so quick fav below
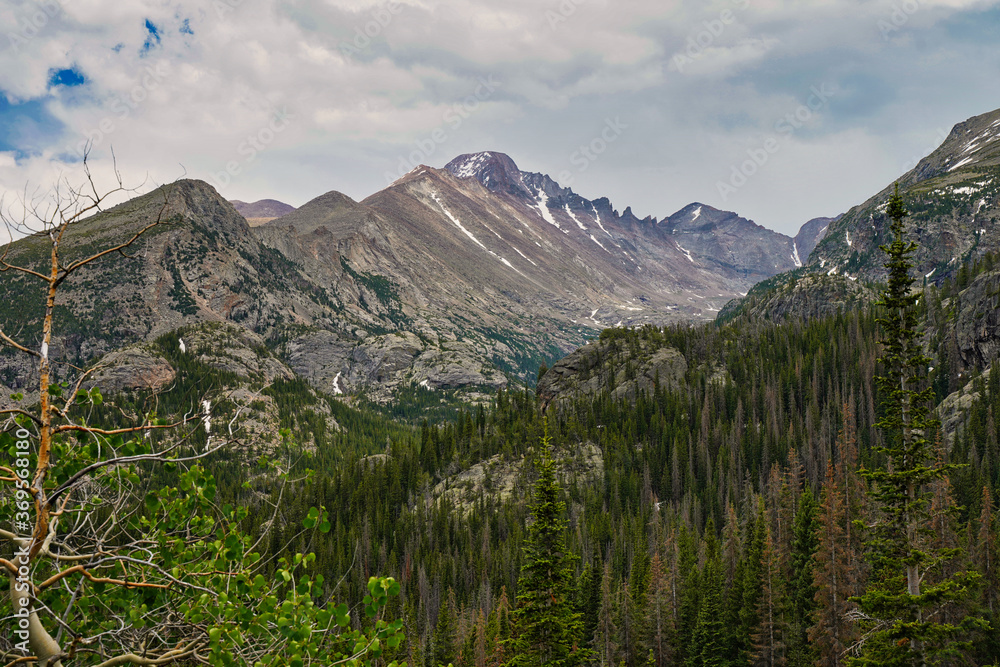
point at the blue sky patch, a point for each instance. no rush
(27, 127)
(152, 37)
(66, 77)
(186, 27)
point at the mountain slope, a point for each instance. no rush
(953, 199)
(953, 196)
(464, 277)
(263, 209)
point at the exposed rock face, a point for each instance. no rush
(977, 325)
(499, 479)
(469, 276)
(811, 234)
(588, 370)
(953, 196)
(800, 296)
(954, 410)
(132, 367)
(729, 244)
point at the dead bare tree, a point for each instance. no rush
(99, 574)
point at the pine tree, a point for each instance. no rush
(547, 627)
(709, 645)
(831, 632)
(899, 604)
(769, 635)
(805, 543)
(445, 632)
(605, 636)
(660, 619)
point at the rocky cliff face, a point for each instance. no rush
(953, 196)
(977, 321)
(596, 366)
(953, 200)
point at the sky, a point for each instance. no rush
(780, 110)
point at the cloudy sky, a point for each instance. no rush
(781, 110)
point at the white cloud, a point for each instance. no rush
(362, 83)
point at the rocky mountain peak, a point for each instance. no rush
(262, 208)
(972, 143)
(496, 171)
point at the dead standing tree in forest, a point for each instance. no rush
(101, 575)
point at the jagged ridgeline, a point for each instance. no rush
(469, 277)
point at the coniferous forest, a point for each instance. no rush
(801, 494)
(766, 510)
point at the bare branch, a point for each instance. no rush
(124, 460)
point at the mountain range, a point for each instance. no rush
(473, 275)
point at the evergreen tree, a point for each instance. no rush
(709, 644)
(832, 631)
(899, 605)
(445, 632)
(547, 627)
(769, 636)
(805, 543)
(606, 634)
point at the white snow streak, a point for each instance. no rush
(687, 253)
(543, 210)
(336, 385)
(697, 212)
(578, 223)
(847, 237)
(961, 163)
(525, 256)
(600, 244)
(458, 224)
(795, 254)
(597, 219)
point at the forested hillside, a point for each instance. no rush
(722, 529)
(726, 491)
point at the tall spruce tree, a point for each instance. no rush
(898, 609)
(547, 627)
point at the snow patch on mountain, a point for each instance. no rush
(687, 253)
(543, 210)
(578, 223)
(471, 166)
(458, 224)
(524, 256)
(597, 219)
(600, 244)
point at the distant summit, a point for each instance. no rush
(261, 211)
